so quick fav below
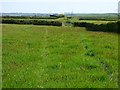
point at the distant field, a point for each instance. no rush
(92, 21)
(50, 56)
(96, 22)
(88, 21)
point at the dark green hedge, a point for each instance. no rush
(30, 17)
(109, 27)
(34, 22)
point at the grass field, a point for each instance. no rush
(47, 56)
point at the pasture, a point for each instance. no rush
(58, 57)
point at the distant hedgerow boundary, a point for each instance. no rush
(109, 27)
(34, 22)
(28, 17)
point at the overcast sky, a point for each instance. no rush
(59, 6)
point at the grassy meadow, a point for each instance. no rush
(58, 57)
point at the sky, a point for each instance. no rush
(59, 6)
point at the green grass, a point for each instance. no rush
(58, 57)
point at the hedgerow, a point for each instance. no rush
(34, 22)
(109, 27)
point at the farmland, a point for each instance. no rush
(92, 18)
(60, 57)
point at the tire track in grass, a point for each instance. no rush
(45, 51)
(110, 73)
(44, 60)
(88, 45)
(89, 48)
(107, 68)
